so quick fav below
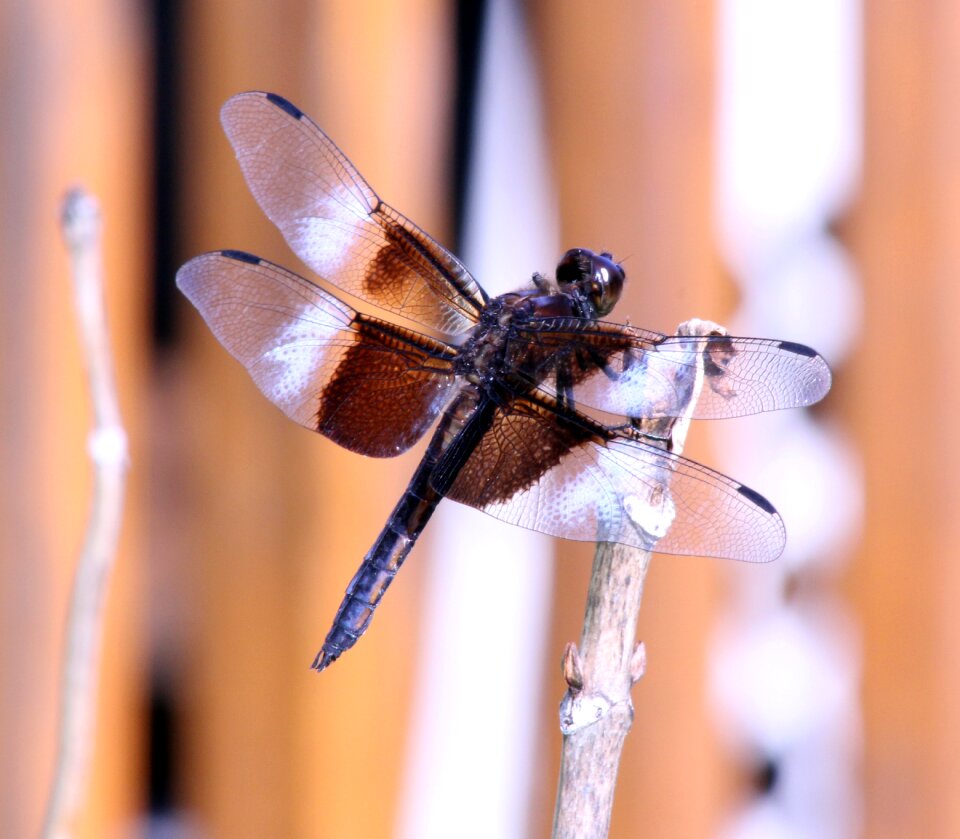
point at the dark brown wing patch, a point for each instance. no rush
(385, 391)
(581, 480)
(369, 385)
(338, 225)
(524, 441)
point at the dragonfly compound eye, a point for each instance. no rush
(607, 286)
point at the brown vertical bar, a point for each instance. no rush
(629, 91)
(227, 486)
(384, 78)
(904, 408)
(279, 519)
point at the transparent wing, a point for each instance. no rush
(368, 385)
(633, 372)
(337, 224)
(582, 481)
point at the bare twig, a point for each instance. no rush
(108, 451)
(596, 713)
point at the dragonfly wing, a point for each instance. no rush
(369, 385)
(567, 476)
(338, 225)
(634, 372)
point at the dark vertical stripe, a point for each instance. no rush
(167, 102)
(162, 780)
(163, 751)
(470, 25)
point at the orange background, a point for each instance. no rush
(241, 530)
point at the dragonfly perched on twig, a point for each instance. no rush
(509, 379)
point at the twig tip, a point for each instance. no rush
(572, 667)
(80, 217)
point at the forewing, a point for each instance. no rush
(368, 385)
(633, 372)
(337, 224)
(581, 481)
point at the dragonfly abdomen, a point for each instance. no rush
(457, 435)
(379, 567)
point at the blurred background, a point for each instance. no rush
(790, 169)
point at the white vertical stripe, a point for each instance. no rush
(785, 671)
(469, 766)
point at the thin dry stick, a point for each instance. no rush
(108, 450)
(596, 713)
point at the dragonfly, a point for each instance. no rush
(544, 413)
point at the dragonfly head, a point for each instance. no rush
(594, 280)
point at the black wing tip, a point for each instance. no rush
(761, 503)
(757, 499)
(284, 105)
(240, 256)
(821, 378)
(798, 349)
(276, 99)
